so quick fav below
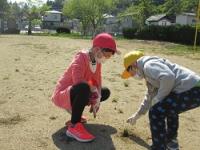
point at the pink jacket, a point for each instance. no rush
(78, 71)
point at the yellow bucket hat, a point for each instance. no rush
(130, 58)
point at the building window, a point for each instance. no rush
(193, 20)
(55, 16)
(164, 23)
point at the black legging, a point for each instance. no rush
(79, 95)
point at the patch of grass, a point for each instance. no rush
(2, 102)
(12, 120)
(125, 133)
(115, 100)
(24, 44)
(40, 46)
(71, 35)
(6, 78)
(126, 84)
(120, 111)
(17, 59)
(53, 118)
(74, 35)
(181, 49)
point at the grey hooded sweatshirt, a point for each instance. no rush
(163, 77)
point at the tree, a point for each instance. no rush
(3, 8)
(4, 5)
(189, 5)
(56, 5)
(122, 5)
(3, 12)
(44, 8)
(158, 2)
(15, 11)
(98, 9)
(59, 4)
(90, 12)
(171, 7)
(141, 10)
(33, 13)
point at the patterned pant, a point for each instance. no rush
(164, 117)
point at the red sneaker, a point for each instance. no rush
(83, 120)
(79, 133)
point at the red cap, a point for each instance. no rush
(104, 40)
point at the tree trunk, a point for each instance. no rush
(29, 28)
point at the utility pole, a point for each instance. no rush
(197, 26)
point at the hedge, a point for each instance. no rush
(176, 33)
(63, 30)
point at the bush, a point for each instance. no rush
(129, 33)
(176, 33)
(62, 30)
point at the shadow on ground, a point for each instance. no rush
(139, 141)
(103, 139)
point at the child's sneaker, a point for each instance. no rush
(83, 120)
(79, 133)
(173, 144)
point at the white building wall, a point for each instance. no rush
(181, 19)
(191, 20)
(153, 23)
(185, 19)
(164, 22)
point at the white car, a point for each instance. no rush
(35, 28)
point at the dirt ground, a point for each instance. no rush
(29, 69)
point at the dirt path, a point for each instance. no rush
(29, 69)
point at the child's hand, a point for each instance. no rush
(94, 96)
(132, 120)
(95, 107)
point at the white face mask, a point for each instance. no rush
(99, 57)
(101, 60)
(138, 76)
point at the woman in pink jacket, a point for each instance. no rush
(80, 85)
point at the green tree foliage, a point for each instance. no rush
(90, 12)
(44, 8)
(59, 3)
(56, 4)
(3, 8)
(33, 12)
(141, 10)
(14, 11)
(30, 12)
(177, 6)
(189, 5)
(171, 7)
